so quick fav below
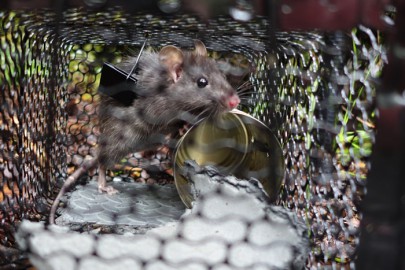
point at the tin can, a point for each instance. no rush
(236, 144)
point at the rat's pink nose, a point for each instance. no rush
(233, 101)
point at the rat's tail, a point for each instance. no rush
(86, 165)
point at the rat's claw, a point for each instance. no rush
(107, 189)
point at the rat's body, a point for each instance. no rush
(174, 87)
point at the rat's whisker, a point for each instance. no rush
(245, 83)
(189, 117)
(198, 116)
(249, 97)
(247, 94)
(244, 86)
(213, 112)
(247, 90)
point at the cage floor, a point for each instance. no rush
(230, 226)
(136, 204)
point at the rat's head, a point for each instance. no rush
(197, 81)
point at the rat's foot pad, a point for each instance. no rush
(135, 205)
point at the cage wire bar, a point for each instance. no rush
(382, 232)
(315, 91)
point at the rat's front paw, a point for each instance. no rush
(107, 189)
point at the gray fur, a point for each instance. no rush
(161, 106)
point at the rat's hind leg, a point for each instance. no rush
(102, 182)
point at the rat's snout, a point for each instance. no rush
(231, 101)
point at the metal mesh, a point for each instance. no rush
(314, 90)
(325, 115)
(32, 119)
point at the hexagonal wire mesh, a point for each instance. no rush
(314, 90)
(32, 119)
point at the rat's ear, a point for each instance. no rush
(172, 58)
(200, 48)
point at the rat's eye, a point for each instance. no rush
(202, 82)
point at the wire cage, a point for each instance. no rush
(316, 92)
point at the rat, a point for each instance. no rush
(175, 86)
